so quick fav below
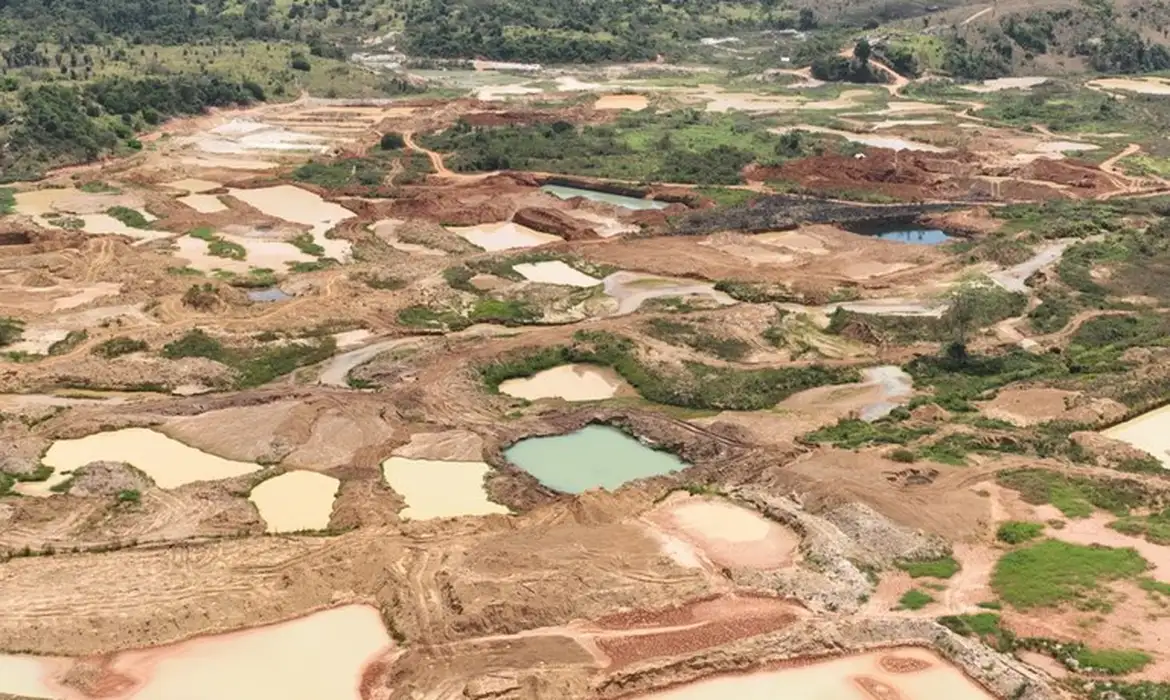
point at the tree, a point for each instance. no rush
(862, 51)
(391, 141)
(807, 20)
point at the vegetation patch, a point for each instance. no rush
(10, 330)
(304, 242)
(7, 200)
(944, 567)
(1074, 496)
(852, 433)
(1017, 532)
(116, 347)
(692, 336)
(226, 249)
(914, 599)
(130, 217)
(1052, 572)
(254, 366)
(1154, 527)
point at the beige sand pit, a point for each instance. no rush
(503, 235)
(633, 102)
(863, 677)
(792, 240)
(295, 501)
(568, 382)
(193, 185)
(301, 207)
(1144, 86)
(555, 272)
(319, 656)
(1149, 432)
(203, 203)
(434, 489)
(729, 535)
(168, 462)
(999, 84)
(271, 254)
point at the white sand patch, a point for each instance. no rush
(632, 289)
(168, 462)
(214, 162)
(998, 84)
(747, 102)
(193, 185)
(1062, 146)
(837, 679)
(30, 676)
(723, 520)
(792, 240)
(295, 501)
(302, 207)
(496, 93)
(910, 107)
(37, 340)
(203, 203)
(503, 235)
(568, 382)
(555, 272)
(891, 123)
(632, 102)
(678, 550)
(350, 339)
(435, 489)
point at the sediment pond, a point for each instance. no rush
(568, 382)
(296, 500)
(1148, 432)
(916, 236)
(619, 200)
(597, 456)
(439, 489)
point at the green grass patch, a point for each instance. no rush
(226, 249)
(984, 626)
(130, 217)
(1154, 527)
(203, 233)
(128, 496)
(1017, 532)
(1113, 662)
(342, 173)
(1075, 497)
(304, 242)
(852, 433)
(915, 599)
(944, 567)
(1051, 572)
(7, 200)
(99, 187)
(692, 336)
(254, 366)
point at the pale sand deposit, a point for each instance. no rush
(728, 534)
(555, 272)
(168, 462)
(435, 489)
(502, 235)
(1144, 86)
(203, 203)
(193, 185)
(860, 677)
(568, 382)
(634, 102)
(297, 500)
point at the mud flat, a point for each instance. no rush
(632, 289)
(618, 200)
(728, 534)
(503, 235)
(297, 500)
(596, 456)
(193, 185)
(555, 272)
(1149, 432)
(301, 207)
(568, 382)
(903, 674)
(437, 489)
(168, 462)
(319, 656)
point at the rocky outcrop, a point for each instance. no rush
(555, 222)
(107, 479)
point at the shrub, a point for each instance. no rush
(10, 330)
(130, 217)
(195, 343)
(903, 455)
(1052, 572)
(116, 347)
(201, 296)
(944, 567)
(1016, 532)
(129, 496)
(391, 141)
(915, 599)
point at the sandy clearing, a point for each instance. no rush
(568, 382)
(192, 185)
(496, 93)
(212, 162)
(434, 489)
(203, 203)
(1062, 146)
(87, 294)
(1032, 405)
(350, 339)
(503, 235)
(295, 501)
(998, 84)
(861, 677)
(445, 446)
(337, 369)
(322, 655)
(302, 207)
(632, 102)
(1012, 278)
(1147, 432)
(792, 240)
(274, 255)
(555, 272)
(168, 462)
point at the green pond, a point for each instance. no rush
(596, 456)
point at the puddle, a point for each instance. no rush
(1144, 86)
(203, 203)
(728, 534)
(596, 456)
(908, 673)
(633, 102)
(268, 295)
(914, 236)
(503, 235)
(322, 655)
(295, 501)
(999, 84)
(891, 142)
(568, 382)
(1149, 432)
(555, 272)
(168, 462)
(42, 489)
(895, 383)
(632, 289)
(565, 192)
(302, 207)
(436, 489)
(271, 254)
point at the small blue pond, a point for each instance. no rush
(268, 294)
(916, 236)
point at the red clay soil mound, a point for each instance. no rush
(899, 174)
(558, 223)
(1074, 173)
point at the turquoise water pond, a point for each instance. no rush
(596, 456)
(615, 199)
(918, 236)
